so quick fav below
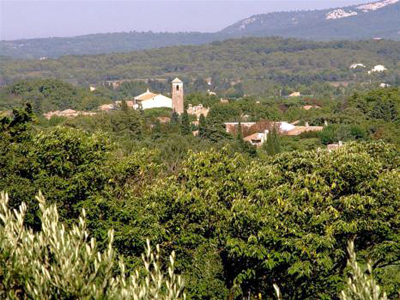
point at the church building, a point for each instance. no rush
(151, 100)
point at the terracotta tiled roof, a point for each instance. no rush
(300, 129)
(254, 137)
(106, 107)
(145, 96)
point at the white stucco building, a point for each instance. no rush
(379, 68)
(355, 66)
(150, 100)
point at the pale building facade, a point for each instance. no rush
(68, 113)
(177, 96)
(198, 110)
(295, 94)
(149, 100)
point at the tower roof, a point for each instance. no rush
(177, 80)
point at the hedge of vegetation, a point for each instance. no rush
(238, 224)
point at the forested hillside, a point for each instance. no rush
(245, 66)
(102, 43)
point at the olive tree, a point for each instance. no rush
(57, 262)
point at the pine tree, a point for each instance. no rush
(202, 126)
(185, 126)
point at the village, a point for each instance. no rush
(255, 133)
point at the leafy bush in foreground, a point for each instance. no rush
(56, 263)
(360, 286)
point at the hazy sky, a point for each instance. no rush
(29, 19)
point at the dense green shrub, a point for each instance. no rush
(284, 220)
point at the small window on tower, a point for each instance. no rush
(177, 87)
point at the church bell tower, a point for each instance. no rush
(177, 96)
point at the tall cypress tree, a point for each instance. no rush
(185, 126)
(174, 118)
(202, 126)
(273, 145)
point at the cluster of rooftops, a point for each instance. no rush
(253, 132)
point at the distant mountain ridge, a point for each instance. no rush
(101, 43)
(379, 19)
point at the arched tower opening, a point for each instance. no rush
(177, 96)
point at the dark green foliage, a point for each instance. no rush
(272, 146)
(221, 113)
(286, 220)
(153, 113)
(385, 110)
(124, 106)
(185, 125)
(379, 104)
(202, 126)
(50, 94)
(157, 130)
(14, 127)
(335, 133)
(299, 143)
(68, 165)
(174, 118)
(120, 123)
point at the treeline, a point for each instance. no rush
(252, 65)
(238, 224)
(49, 94)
